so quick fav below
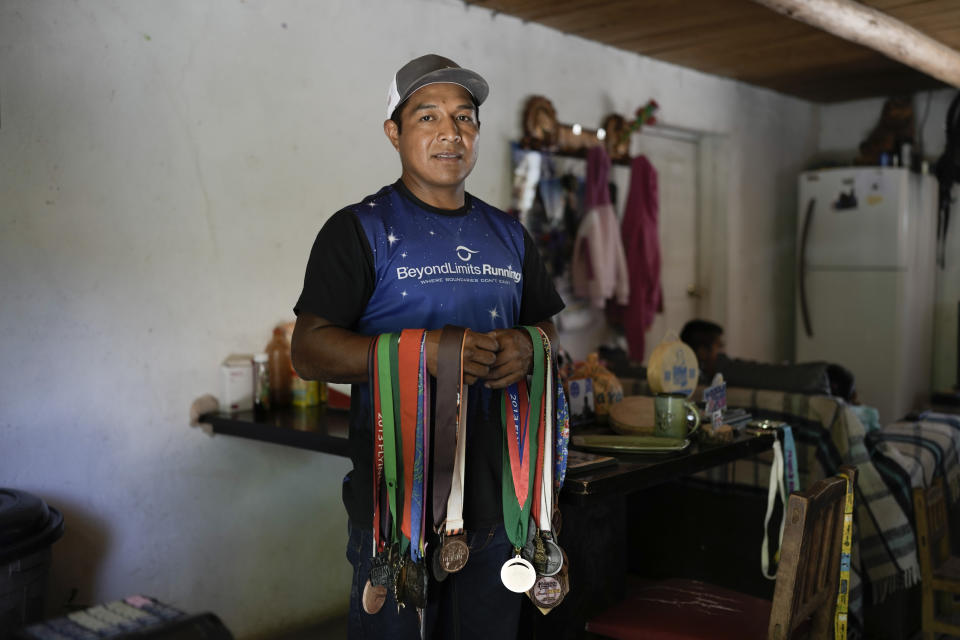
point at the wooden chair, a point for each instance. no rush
(804, 599)
(939, 569)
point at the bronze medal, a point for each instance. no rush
(564, 574)
(414, 590)
(373, 597)
(454, 553)
(439, 573)
(547, 592)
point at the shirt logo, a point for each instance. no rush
(460, 272)
(465, 253)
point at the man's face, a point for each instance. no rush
(439, 140)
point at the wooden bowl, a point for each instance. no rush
(633, 416)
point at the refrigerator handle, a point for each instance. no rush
(804, 307)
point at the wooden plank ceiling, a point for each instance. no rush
(742, 40)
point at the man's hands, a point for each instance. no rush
(325, 351)
(514, 358)
(479, 353)
(501, 357)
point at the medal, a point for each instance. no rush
(553, 561)
(517, 574)
(439, 573)
(547, 592)
(521, 416)
(548, 549)
(380, 572)
(451, 418)
(543, 553)
(373, 597)
(412, 585)
(454, 552)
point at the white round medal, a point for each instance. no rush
(518, 575)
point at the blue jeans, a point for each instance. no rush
(471, 603)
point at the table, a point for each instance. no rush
(594, 531)
(593, 504)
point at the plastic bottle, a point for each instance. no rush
(279, 368)
(261, 383)
(306, 393)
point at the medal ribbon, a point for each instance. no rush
(790, 460)
(545, 459)
(385, 345)
(421, 462)
(563, 432)
(408, 384)
(379, 524)
(402, 488)
(446, 420)
(454, 523)
(776, 488)
(516, 509)
(846, 545)
(518, 424)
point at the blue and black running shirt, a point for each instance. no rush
(393, 262)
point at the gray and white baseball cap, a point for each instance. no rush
(431, 69)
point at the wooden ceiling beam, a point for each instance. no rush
(871, 28)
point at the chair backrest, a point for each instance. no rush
(808, 576)
(933, 539)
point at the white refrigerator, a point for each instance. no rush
(866, 280)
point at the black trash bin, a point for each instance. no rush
(28, 528)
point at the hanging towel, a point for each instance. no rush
(599, 266)
(642, 247)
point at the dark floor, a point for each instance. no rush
(335, 629)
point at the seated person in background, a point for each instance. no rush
(841, 383)
(706, 340)
(842, 386)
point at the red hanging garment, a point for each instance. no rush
(642, 247)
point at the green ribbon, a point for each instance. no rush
(392, 466)
(516, 518)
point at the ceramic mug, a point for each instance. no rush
(672, 415)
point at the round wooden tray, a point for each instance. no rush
(634, 416)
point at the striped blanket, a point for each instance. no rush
(828, 434)
(929, 446)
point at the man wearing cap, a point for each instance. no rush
(424, 253)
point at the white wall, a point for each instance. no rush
(164, 167)
(843, 126)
